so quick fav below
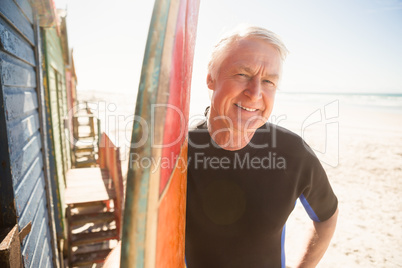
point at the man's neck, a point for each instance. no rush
(228, 138)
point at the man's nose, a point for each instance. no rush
(253, 90)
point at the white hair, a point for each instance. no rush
(221, 48)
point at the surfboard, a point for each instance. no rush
(155, 208)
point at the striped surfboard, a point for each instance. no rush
(155, 209)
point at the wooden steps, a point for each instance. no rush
(81, 219)
(86, 137)
(93, 237)
(90, 162)
(85, 149)
(88, 229)
(94, 198)
(88, 258)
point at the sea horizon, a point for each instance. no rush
(393, 94)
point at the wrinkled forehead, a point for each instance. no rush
(248, 52)
(249, 45)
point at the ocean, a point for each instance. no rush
(360, 111)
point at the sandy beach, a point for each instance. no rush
(361, 150)
(368, 183)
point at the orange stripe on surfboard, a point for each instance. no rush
(171, 218)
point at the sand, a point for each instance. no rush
(368, 183)
(363, 160)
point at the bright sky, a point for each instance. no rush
(336, 46)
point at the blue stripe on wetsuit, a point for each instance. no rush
(283, 260)
(309, 209)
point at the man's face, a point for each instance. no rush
(245, 85)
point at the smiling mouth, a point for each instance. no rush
(245, 108)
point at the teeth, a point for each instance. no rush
(247, 109)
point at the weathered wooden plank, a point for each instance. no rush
(113, 164)
(20, 103)
(26, 213)
(47, 263)
(25, 231)
(51, 78)
(10, 11)
(80, 219)
(8, 217)
(26, 9)
(54, 50)
(62, 105)
(22, 131)
(15, 28)
(44, 258)
(40, 229)
(30, 255)
(12, 42)
(41, 247)
(59, 161)
(57, 195)
(22, 165)
(31, 179)
(29, 241)
(54, 115)
(66, 143)
(35, 242)
(34, 202)
(86, 185)
(55, 53)
(55, 123)
(89, 258)
(25, 158)
(54, 99)
(10, 252)
(53, 143)
(15, 73)
(95, 237)
(52, 207)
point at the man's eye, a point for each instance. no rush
(242, 75)
(268, 82)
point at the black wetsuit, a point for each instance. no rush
(238, 201)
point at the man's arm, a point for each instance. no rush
(319, 241)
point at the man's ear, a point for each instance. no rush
(210, 82)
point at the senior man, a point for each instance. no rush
(245, 174)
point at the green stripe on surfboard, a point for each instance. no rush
(139, 179)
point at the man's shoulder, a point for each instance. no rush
(199, 126)
(198, 134)
(286, 133)
(198, 130)
(287, 141)
(280, 133)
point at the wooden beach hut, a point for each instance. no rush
(27, 220)
(54, 81)
(71, 78)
